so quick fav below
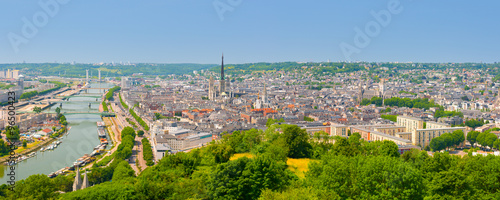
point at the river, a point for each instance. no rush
(80, 140)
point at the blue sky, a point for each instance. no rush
(191, 31)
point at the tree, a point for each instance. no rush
(471, 137)
(220, 153)
(437, 144)
(58, 111)
(62, 119)
(245, 178)
(4, 149)
(108, 190)
(473, 123)
(366, 177)
(122, 171)
(308, 119)
(37, 109)
(128, 131)
(271, 121)
(486, 139)
(297, 141)
(25, 143)
(37, 186)
(390, 117)
(389, 148)
(496, 144)
(347, 147)
(305, 193)
(450, 185)
(12, 133)
(140, 133)
(365, 102)
(447, 140)
(147, 153)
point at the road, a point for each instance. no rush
(137, 150)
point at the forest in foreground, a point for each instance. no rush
(348, 169)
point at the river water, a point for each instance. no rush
(80, 140)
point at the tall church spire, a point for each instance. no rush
(222, 68)
(77, 184)
(85, 183)
(222, 82)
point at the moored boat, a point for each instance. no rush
(104, 141)
(52, 175)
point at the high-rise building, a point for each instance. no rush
(8, 74)
(124, 82)
(411, 123)
(15, 74)
(20, 81)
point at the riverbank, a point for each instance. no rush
(115, 142)
(29, 150)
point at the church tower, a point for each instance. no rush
(382, 90)
(361, 93)
(264, 96)
(85, 183)
(222, 85)
(211, 89)
(77, 184)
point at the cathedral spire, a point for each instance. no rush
(222, 68)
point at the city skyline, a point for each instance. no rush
(239, 99)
